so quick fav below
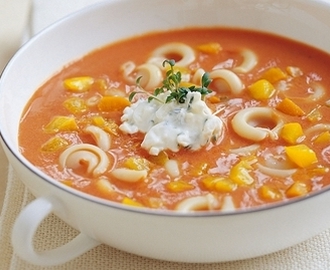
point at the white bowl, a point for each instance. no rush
(195, 237)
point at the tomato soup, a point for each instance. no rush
(192, 119)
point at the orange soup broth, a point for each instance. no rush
(214, 158)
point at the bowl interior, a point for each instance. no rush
(95, 26)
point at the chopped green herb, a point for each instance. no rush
(171, 83)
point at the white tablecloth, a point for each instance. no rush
(21, 20)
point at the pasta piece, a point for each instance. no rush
(127, 69)
(250, 60)
(172, 168)
(101, 137)
(85, 155)
(247, 150)
(317, 128)
(275, 171)
(93, 101)
(206, 202)
(245, 123)
(234, 82)
(228, 204)
(104, 186)
(151, 76)
(128, 175)
(185, 53)
(197, 77)
(318, 92)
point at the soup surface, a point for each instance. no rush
(239, 119)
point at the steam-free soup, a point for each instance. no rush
(191, 119)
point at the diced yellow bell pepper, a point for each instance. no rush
(161, 159)
(220, 184)
(297, 189)
(199, 169)
(78, 84)
(319, 170)
(61, 123)
(107, 125)
(113, 103)
(186, 84)
(130, 202)
(323, 137)
(240, 173)
(315, 115)
(75, 105)
(269, 194)
(210, 48)
(287, 106)
(274, 74)
(137, 163)
(292, 133)
(214, 99)
(261, 89)
(301, 155)
(294, 71)
(67, 182)
(54, 144)
(179, 186)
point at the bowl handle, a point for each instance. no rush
(24, 230)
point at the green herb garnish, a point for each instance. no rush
(172, 83)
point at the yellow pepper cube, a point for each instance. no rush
(113, 103)
(199, 169)
(225, 185)
(210, 48)
(161, 159)
(274, 74)
(297, 189)
(54, 144)
(269, 194)
(107, 125)
(130, 202)
(137, 163)
(218, 183)
(179, 186)
(61, 123)
(240, 173)
(292, 133)
(78, 84)
(75, 105)
(323, 137)
(261, 89)
(287, 106)
(301, 155)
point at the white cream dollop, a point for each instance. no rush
(172, 125)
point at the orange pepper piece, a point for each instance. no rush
(287, 106)
(113, 103)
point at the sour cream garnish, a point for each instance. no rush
(172, 125)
